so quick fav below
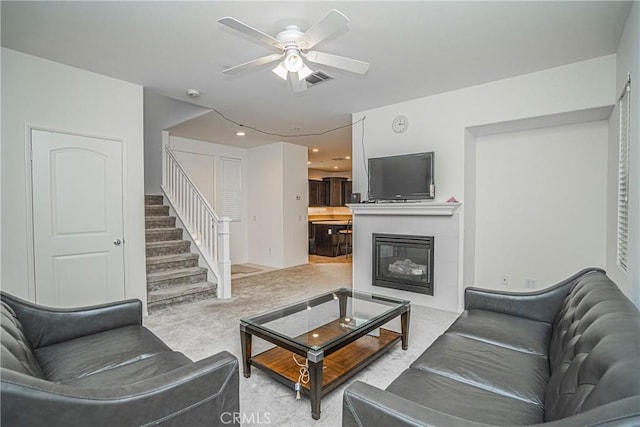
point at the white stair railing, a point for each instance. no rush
(209, 232)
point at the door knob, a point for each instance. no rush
(117, 242)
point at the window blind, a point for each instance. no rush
(623, 178)
(230, 202)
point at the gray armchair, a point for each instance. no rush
(99, 366)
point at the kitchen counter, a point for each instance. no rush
(330, 222)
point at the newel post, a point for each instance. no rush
(224, 259)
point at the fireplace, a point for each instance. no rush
(403, 262)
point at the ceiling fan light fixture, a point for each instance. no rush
(281, 71)
(293, 61)
(294, 50)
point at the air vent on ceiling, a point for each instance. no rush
(317, 78)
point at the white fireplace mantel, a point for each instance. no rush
(408, 208)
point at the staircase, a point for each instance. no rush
(173, 275)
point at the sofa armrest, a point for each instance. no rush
(205, 393)
(542, 305)
(364, 405)
(46, 326)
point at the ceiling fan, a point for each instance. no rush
(294, 47)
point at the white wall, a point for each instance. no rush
(628, 62)
(541, 204)
(296, 202)
(439, 123)
(42, 93)
(276, 175)
(160, 113)
(239, 229)
(266, 228)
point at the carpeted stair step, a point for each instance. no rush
(151, 222)
(163, 234)
(171, 262)
(163, 298)
(152, 199)
(167, 248)
(171, 278)
(159, 210)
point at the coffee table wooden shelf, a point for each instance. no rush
(335, 350)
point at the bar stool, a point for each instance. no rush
(345, 239)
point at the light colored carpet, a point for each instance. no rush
(203, 328)
(243, 269)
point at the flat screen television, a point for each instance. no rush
(404, 177)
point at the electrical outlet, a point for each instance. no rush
(505, 280)
(530, 283)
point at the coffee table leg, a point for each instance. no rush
(245, 340)
(342, 300)
(404, 323)
(315, 388)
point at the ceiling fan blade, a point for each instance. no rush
(297, 84)
(336, 61)
(330, 23)
(252, 32)
(253, 64)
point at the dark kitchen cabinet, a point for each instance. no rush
(335, 191)
(348, 188)
(317, 193)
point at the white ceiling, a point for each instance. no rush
(415, 48)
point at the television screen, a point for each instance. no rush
(405, 177)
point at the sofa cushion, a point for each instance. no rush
(594, 348)
(502, 371)
(82, 357)
(16, 353)
(512, 332)
(133, 372)
(464, 400)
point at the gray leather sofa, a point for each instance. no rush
(568, 355)
(98, 366)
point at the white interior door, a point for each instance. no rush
(77, 219)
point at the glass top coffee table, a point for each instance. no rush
(338, 333)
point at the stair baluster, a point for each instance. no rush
(206, 228)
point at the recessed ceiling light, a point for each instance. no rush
(335, 167)
(348, 157)
(315, 150)
(240, 133)
(308, 163)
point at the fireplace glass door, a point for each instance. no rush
(403, 262)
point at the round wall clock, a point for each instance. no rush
(400, 124)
